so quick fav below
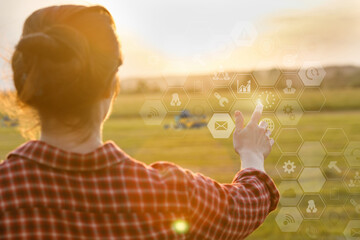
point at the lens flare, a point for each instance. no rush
(259, 102)
(180, 226)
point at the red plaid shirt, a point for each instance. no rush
(48, 193)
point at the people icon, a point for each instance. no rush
(311, 207)
(356, 181)
(289, 89)
(221, 75)
(175, 101)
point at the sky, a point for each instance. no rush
(198, 36)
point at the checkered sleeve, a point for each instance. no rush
(231, 211)
(222, 211)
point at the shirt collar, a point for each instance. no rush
(36, 150)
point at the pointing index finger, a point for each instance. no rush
(255, 118)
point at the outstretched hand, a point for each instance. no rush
(253, 142)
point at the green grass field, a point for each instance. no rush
(198, 151)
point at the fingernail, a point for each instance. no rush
(259, 107)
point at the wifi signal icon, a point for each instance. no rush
(288, 219)
(153, 112)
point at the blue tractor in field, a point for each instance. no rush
(186, 120)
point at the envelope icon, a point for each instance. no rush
(355, 232)
(221, 125)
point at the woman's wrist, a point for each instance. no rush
(252, 160)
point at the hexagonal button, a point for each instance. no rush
(351, 231)
(334, 140)
(312, 154)
(311, 179)
(289, 140)
(153, 112)
(268, 97)
(335, 219)
(352, 154)
(289, 166)
(266, 78)
(289, 219)
(243, 85)
(272, 122)
(289, 112)
(199, 107)
(311, 206)
(312, 229)
(221, 125)
(352, 206)
(267, 45)
(198, 86)
(334, 192)
(222, 77)
(312, 99)
(312, 74)
(289, 86)
(290, 59)
(221, 99)
(352, 180)
(334, 167)
(290, 193)
(246, 106)
(175, 99)
(244, 34)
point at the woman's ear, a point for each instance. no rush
(109, 92)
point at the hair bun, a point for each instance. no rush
(39, 44)
(57, 43)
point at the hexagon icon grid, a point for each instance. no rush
(289, 166)
(221, 99)
(290, 193)
(334, 218)
(268, 97)
(312, 74)
(289, 112)
(175, 99)
(290, 59)
(334, 140)
(312, 99)
(352, 206)
(334, 192)
(273, 123)
(352, 154)
(222, 77)
(243, 85)
(153, 112)
(221, 125)
(244, 34)
(352, 180)
(351, 231)
(289, 140)
(312, 229)
(312, 154)
(311, 179)
(289, 86)
(311, 206)
(266, 78)
(334, 167)
(289, 219)
(198, 86)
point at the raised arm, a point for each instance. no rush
(226, 211)
(233, 211)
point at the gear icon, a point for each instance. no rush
(289, 167)
(288, 109)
